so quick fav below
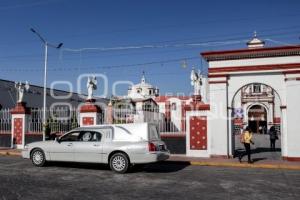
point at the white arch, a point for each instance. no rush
(232, 97)
(235, 84)
(274, 80)
(257, 104)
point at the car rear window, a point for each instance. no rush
(153, 133)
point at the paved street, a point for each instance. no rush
(20, 180)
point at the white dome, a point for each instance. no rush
(142, 90)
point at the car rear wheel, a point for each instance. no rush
(119, 163)
(38, 157)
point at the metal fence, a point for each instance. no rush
(123, 115)
(5, 121)
(167, 126)
(59, 120)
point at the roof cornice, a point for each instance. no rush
(251, 53)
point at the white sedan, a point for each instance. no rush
(119, 145)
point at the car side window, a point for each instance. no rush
(90, 136)
(106, 133)
(96, 137)
(71, 137)
(86, 136)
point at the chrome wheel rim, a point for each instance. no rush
(119, 163)
(37, 157)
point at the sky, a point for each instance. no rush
(119, 39)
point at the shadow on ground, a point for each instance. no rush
(263, 150)
(256, 151)
(162, 167)
(76, 165)
(260, 153)
(258, 159)
(159, 167)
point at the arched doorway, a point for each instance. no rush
(257, 106)
(257, 119)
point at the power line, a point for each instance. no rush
(178, 45)
(151, 46)
(236, 37)
(28, 4)
(137, 64)
(101, 67)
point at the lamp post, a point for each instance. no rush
(45, 76)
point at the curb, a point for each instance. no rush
(241, 165)
(204, 163)
(7, 153)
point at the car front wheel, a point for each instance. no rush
(119, 163)
(38, 157)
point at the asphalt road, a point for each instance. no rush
(19, 179)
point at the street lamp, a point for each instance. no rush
(45, 75)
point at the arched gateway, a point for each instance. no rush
(257, 106)
(263, 78)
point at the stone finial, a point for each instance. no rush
(255, 42)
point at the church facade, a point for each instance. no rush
(257, 87)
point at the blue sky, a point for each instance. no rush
(105, 24)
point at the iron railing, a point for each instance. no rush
(61, 120)
(5, 121)
(58, 120)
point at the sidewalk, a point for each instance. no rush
(218, 162)
(10, 152)
(234, 162)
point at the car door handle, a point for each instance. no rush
(96, 145)
(70, 144)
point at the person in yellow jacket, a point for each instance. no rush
(247, 140)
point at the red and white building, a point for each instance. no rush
(171, 116)
(257, 86)
(258, 77)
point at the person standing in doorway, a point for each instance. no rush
(260, 129)
(273, 137)
(247, 140)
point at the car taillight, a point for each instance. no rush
(151, 146)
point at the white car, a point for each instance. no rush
(119, 145)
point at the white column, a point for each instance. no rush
(230, 137)
(292, 119)
(219, 119)
(284, 132)
(89, 113)
(88, 119)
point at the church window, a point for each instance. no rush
(256, 88)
